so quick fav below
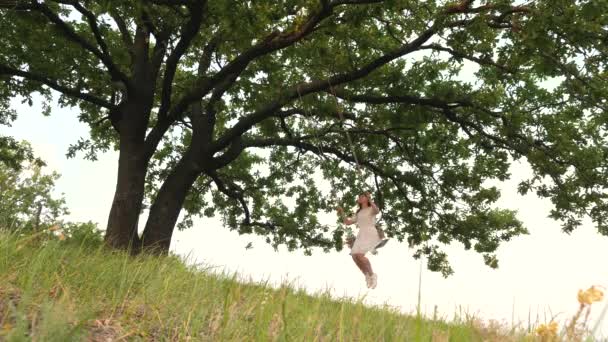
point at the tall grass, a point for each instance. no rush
(53, 290)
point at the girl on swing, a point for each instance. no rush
(367, 239)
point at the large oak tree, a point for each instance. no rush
(237, 108)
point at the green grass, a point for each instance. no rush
(54, 290)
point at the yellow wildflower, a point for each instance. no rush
(583, 298)
(6, 328)
(596, 294)
(548, 331)
(590, 295)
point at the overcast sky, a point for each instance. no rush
(539, 274)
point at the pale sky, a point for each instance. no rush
(539, 274)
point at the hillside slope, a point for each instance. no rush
(70, 290)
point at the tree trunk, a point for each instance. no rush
(165, 210)
(131, 119)
(121, 232)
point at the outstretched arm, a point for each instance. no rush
(347, 220)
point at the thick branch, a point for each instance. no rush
(405, 99)
(92, 21)
(466, 125)
(396, 179)
(187, 34)
(245, 123)
(414, 100)
(124, 30)
(6, 70)
(73, 36)
(461, 7)
(355, 2)
(465, 7)
(159, 52)
(231, 192)
(458, 54)
(157, 132)
(273, 42)
(172, 2)
(208, 51)
(15, 5)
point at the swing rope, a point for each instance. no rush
(351, 145)
(319, 146)
(340, 112)
(308, 114)
(349, 140)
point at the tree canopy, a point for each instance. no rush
(233, 109)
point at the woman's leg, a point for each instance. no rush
(357, 260)
(372, 279)
(367, 264)
(363, 264)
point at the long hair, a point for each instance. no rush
(369, 201)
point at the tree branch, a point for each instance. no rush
(245, 123)
(414, 100)
(406, 99)
(231, 191)
(466, 125)
(187, 34)
(92, 21)
(16, 5)
(355, 2)
(396, 179)
(124, 30)
(269, 44)
(458, 54)
(6, 70)
(73, 36)
(208, 50)
(157, 132)
(172, 2)
(273, 42)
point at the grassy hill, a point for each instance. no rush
(73, 289)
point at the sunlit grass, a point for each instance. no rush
(69, 290)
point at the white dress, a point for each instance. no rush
(367, 238)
